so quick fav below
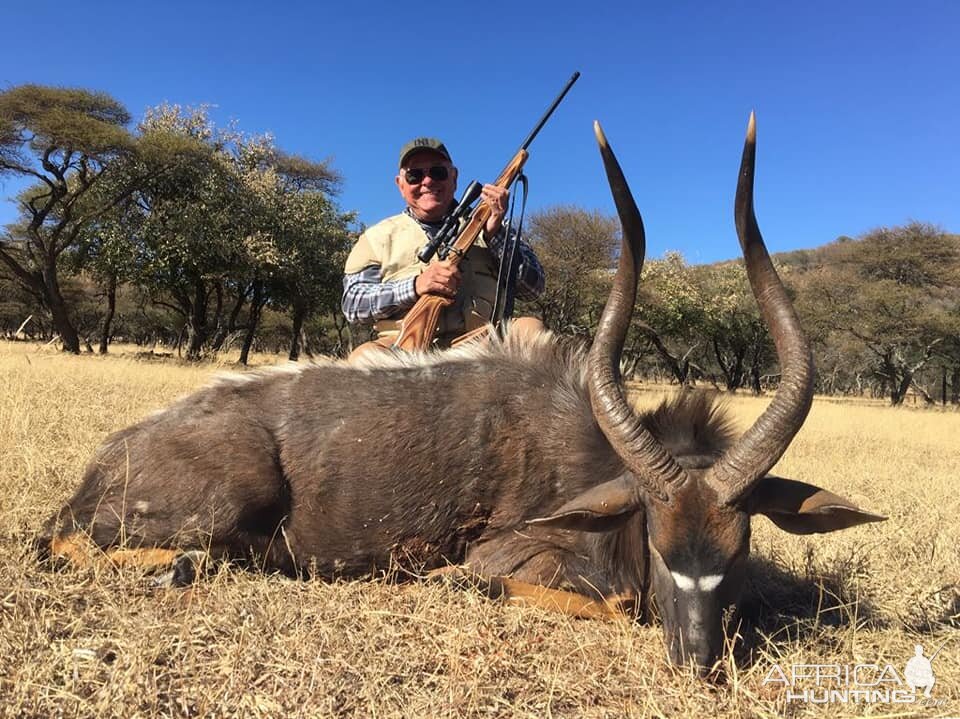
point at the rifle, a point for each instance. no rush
(419, 327)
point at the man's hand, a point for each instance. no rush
(439, 278)
(497, 199)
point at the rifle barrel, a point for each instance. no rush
(549, 112)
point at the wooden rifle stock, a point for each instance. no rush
(419, 327)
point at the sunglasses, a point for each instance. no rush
(437, 173)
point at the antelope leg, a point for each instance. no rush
(80, 551)
(511, 590)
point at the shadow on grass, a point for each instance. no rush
(781, 607)
(938, 610)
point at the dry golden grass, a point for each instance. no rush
(102, 643)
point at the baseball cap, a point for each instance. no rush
(423, 143)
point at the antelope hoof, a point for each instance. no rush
(184, 570)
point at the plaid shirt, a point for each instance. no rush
(366, 297)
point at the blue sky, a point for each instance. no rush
(858, 103)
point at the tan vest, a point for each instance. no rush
(393, 245)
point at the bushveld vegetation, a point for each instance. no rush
(882, 311)
(101, 642)
(203, 223)
(186, 238)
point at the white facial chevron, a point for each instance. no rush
(704, 584)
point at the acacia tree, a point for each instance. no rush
(738, 338)
(189, 224)
(671, 314)
(893, 324)
(577, 249)
(315, 250)
(228, 226)
(295, 254)
(64, 139)
(896, 292)
(104, 250)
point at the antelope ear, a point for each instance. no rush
(601, 509)
(801, 508)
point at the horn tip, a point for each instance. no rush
(601, 138)
(752, 127)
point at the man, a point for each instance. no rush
(383, 277)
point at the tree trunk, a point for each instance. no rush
(299, 315)
(63, 326)
(256, 304)
(732, 370)
(735, 380)
(194, 341)
(757, 357)
(226, 330)
(58, 310)
(305, 343)
(111, 311)
(679, 370)
(197, 323)
(45, 286)
(899, 389)
(340, 324)
(183, 331)
(219, 332)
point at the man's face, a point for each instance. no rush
(428, 199)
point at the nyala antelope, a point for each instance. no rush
(520, 463)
